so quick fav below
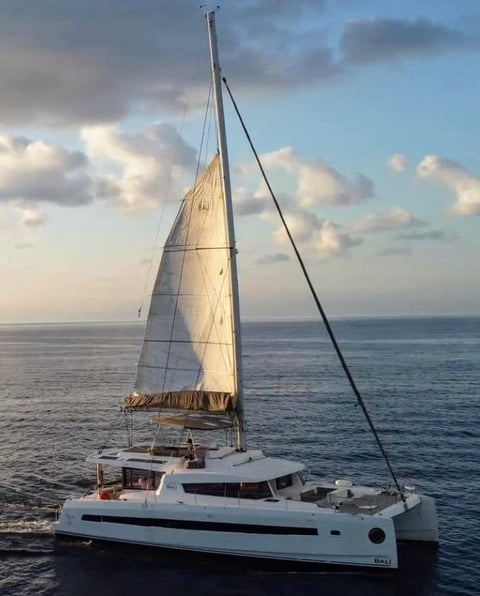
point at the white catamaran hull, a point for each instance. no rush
(259, 532)
(418, 524)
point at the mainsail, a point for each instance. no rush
(187, 359)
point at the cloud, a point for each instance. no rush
(437, 235)
(23, 245)
(133, 171)
(93, 62)
(325, 238)
(271, 259)
(397, 163)
(302, 225)
(148, 162)
(32, 218)
(456, 178)
(246, 203)
(387, 39)
(330, 241)
(76, 63)
(34, 171)
(394, 219)
(317, 183)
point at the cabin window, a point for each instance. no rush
(242, 490)
(284, 481)
(134, 478)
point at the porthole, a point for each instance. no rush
(376, 535)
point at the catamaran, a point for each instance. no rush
(199, 495)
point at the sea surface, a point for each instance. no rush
(60, 389)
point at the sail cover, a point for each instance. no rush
(187, 359)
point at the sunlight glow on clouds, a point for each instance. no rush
(455, 177)
(32, 218)
(149, 163)
(318, 183)
(326, 239)
(397, 163)
(34, 171)
(331, 241)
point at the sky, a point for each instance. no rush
(365, 114)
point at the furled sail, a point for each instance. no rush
(187, 359)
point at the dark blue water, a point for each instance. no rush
(60, 387)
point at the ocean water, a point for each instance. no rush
(60, 388)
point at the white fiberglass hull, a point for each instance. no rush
(296, 536)
(418, 524)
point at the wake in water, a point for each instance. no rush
(26, 527)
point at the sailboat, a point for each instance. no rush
(203, 496)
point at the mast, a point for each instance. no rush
(230, 232)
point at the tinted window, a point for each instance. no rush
(243, 490)
(284, 481)
(141, 479)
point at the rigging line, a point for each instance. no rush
(186, 108)
(325, 320)
(114, 426)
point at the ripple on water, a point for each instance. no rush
(60, 390)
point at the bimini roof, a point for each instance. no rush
(194, 422)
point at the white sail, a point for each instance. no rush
(188, 350)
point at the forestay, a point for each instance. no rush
(187, 358)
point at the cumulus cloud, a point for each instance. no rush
(32, 218)
(386, 39)
(397, 162)
(330, 241)
(394, 219)
(149, 162)
(320, 184)
(131, 170)
(34, 171)
(325, 238)
(456, 178)
(246, 203)
(271, 259)
(302, 225)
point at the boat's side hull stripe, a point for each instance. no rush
(181, 524)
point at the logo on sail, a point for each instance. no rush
(204, 204)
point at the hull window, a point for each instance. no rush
(183, 524)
